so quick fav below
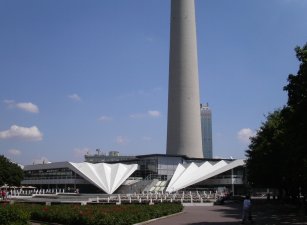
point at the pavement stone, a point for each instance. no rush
(264, 213)
(202, 215)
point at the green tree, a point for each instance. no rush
(297, 120)
(277, 155)
(266, 153)
(10, 173)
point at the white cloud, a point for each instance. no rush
(121, 140)
(74, 97)
(27, 133)
(14, 151)
(28, 106)
(25, 106)
(154, 113)
(42, 160)
(245, 134)
(105, 119)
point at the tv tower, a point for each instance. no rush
(183, 123)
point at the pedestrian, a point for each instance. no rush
(247, 210)
(9, 194)
(3, 194)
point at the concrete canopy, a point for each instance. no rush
(189, 174)
(107, 177)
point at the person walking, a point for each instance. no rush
(247, 210)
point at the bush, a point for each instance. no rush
(13, 215)
(71, 214)
(102, 214)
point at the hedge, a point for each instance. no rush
(13, 215)
(70, 214)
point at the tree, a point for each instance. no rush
(277, 155)
(297, 119)
(266, 153)
(10, 173)
(297, 87)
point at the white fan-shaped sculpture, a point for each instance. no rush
(187, 175)
(107, 177)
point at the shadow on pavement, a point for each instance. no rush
(275, 212)
(232, 210)
(264, 212)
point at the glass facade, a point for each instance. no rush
(159, 167)
(226, 180)
(50, 174)
(55, 175)
(206, 130)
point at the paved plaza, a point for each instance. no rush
(196, 215)
(269, 213)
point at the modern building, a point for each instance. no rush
(206, 130)
(144, 173)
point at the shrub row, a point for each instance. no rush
(86, 215)
(13, 215)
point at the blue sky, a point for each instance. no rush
(81, 75)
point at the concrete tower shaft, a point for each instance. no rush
(183, 125)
